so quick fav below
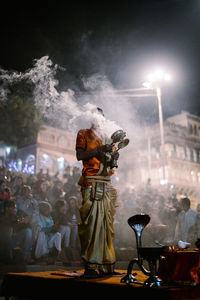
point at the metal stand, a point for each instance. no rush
(138, 223)
(129, 277)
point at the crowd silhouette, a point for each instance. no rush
(39, 216)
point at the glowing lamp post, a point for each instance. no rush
(155, 81)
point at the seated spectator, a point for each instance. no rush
(18, 185)
(47, 175)
(66, 217)
(49, 239)
(42, 190)
(3, 171)
(15, 234)
(73, 218)
(4, 195)
(76, 174)
(31, 180)
(28, 206)
(60, 220)
(23, 235)
(57, 192)
(55, 177)
(68, 187)
(67, 172)
(40, 175)
(7, 224)
(9, 177)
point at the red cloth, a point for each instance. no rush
(5, 196)
(177, 266)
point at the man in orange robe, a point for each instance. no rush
(99, 199)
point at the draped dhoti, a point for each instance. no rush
(96, 230)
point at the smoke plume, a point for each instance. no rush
(67, 110)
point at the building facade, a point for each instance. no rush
(54, 150)
(180, 159)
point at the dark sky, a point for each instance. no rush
(123, 40)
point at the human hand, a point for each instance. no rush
(115, 155)
(105, 148)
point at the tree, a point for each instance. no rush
(20, 120)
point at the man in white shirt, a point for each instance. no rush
(187, 219)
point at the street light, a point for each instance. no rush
(155, 81)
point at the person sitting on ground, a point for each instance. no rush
(73, 218)
(27, 213)
(61, 221)
(56, 192)
(4, 195)
(15, 238)
(17, 186)
(49, 239)
(27, 207)
(7, 224)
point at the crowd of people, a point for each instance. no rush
(39, 216)
(172, 217)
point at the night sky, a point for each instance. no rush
(122, 40)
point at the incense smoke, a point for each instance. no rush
(66, 110)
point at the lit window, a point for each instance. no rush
(61, 162)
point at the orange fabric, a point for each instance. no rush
(88, 140)
(195, 272)
(179, 266)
